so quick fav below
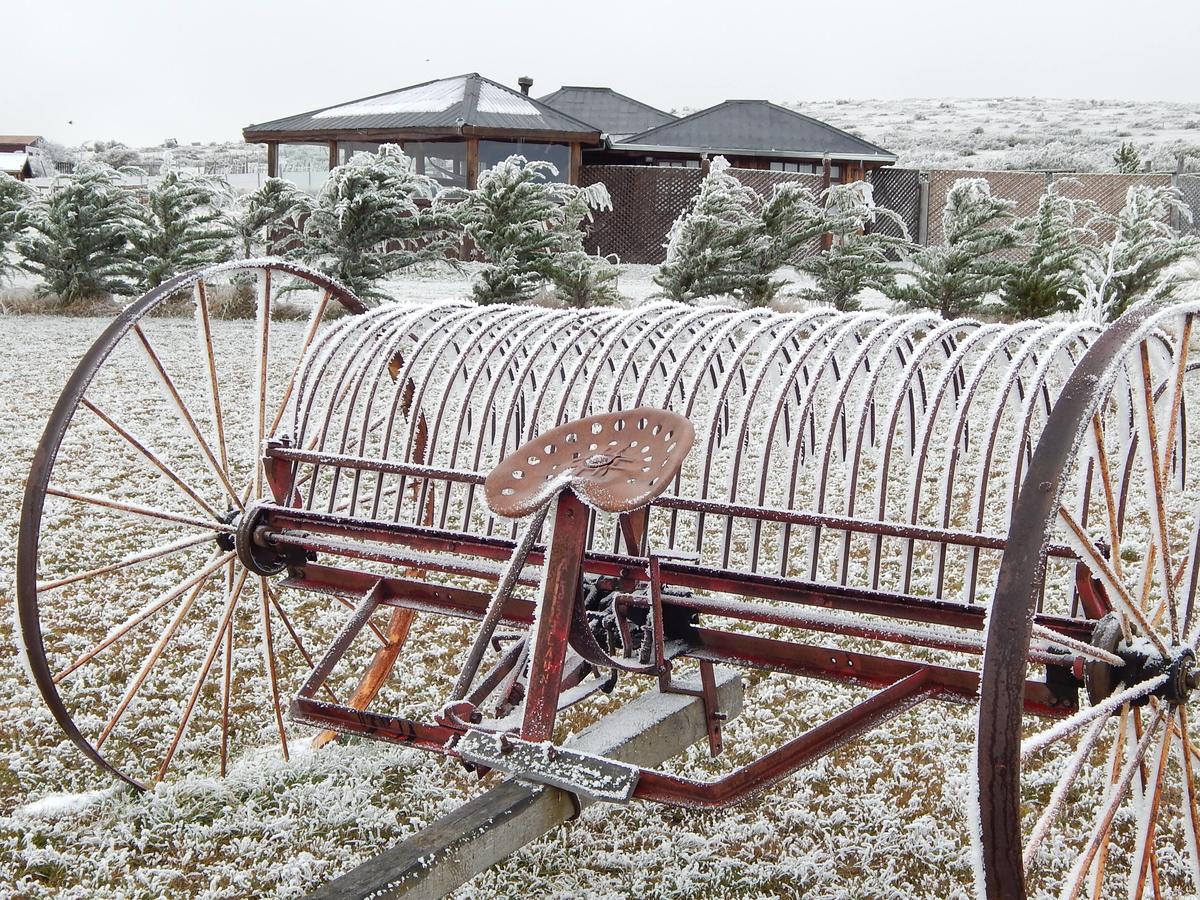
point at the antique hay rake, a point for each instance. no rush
(980, 513)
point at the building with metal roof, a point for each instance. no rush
(751, 134)
(457, 127)
(616, 115)
(453, 127)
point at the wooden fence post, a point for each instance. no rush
(923, 208)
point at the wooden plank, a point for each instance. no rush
(457, 847)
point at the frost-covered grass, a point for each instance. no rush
(882, 817)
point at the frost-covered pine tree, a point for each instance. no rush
(1135, 264)
(856, 260)
(267, 221)
(953, 278)
(1058, 238)
(717, 246)
(78, 235)
(367, 222)
(527, 228)
(1126, 158)
(181, 226)
(13, 197)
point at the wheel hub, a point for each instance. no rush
(1142, 661)
(254, 549)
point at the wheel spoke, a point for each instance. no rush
(150, 455)
(159, 647)
(137, 510)
(295, 636)
(225, 623)
(1115, 764)
(227, 675)
(1148, 427)
(186, 414)
(1107, 707)
(1065, 781)
(1110, 502)
(214, 562)
(133, 559)
(1108, 811)
(1147, 820)
(1077, 539)
(268, 648)
(1181, 362)
(1191, 803)
(260, 381)
(1050, 636)
(204, 323)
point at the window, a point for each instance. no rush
(304, 165)
(835, 172)
(445, 161)
(347, 149)
(559, 155)
(679, 163)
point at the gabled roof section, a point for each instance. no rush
(615, 114)
(446, 104)
(756, 127)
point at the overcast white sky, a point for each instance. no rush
(141, 71)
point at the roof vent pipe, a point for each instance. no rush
(525, 83)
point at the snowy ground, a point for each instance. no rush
(883, 817)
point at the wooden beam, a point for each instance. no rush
(272, 160)
(576, 165)
(457, 847)
(472, 162)
(333, 155)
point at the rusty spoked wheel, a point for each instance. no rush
(150, 641)
(1104, 802)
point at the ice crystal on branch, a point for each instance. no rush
(856, 260)
(527, 228)
(78, 236)
(267, 221)
(179, 227)
(13, 197)
(373, 217)
(1058, 236)
(953, 278)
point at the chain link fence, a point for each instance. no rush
(647, 200)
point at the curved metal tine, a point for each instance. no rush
(139, 511)
(260, 382)
(143, 673)
(268, 648)
(1059, 794)
(215, 562)
(185, 414)
(1078, 540)
(1148, 819)
(1108, 811)
(314, 322)
(1148, 426)
(295, 636)
(204, 323)
(225, 623)
(133, 559)
(227, 675)
(154, 459)
(1191, 803)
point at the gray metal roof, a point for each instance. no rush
(755, 127)
(614, 114)
(470, 101)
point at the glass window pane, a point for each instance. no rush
(445, 161)
(493, 152)
(304, 165)
(347, 149)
